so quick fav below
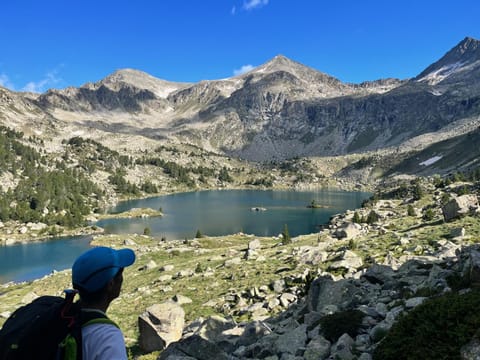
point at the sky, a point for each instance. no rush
(59, 43)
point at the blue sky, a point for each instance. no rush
(59, 43)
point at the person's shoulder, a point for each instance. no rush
(103, 341)
(101, 329)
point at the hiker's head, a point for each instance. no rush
(100, 269)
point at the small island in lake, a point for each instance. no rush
(315, 205)
(258, 209)
(133, 213)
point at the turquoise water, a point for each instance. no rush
(214, 213)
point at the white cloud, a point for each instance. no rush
(5, 82)
(50, 79)
(243, 70)
(254, 4)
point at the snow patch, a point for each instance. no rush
(441, 74)
(431, 161)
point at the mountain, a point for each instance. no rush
(279, 110)
(462, 60)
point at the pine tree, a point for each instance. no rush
(286, 235)
(356, 218)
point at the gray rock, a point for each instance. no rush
(460, 206)
(414, 302)
(348, 230)
(292, 341)
(149, 266)
(254, 245)
(457, 232)
(167, 268)
(129, 242)
(474, 270)
(471, 351)
(379, 274)
(317, 349)
(286, 299)
(252, 332)
(278, 286)
(232, 262)
(194, 347)
(349, 260)
(212, 328)
(343, 348)
(181, 300)
(160, 325)
(165, 278)
(324, 291)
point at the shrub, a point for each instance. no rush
(335, 325)
(437, 329)
(429, 215)
(147, 231)
(411, 210)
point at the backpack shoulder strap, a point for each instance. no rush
(101, 320)
(72, 347)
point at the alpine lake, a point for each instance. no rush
(212, 213)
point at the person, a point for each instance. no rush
(97, 275)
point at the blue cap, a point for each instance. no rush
(96, 267)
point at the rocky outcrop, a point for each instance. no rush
(380, 293)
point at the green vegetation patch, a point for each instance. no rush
(437, 329)
(335, 325)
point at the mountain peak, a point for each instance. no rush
(467, 50)
(141, 80)
(464, 53)
(280, 62)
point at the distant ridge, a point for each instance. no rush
(279, 110)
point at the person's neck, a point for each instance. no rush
(101, 305)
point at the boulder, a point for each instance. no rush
(160, 325)
(348, 231)
(194, 347)
(317, 349)
(213, 327)
(348, 260)
(129, 242)
(343, 348)
(291, 342)
(181, 299)
(324, 291)
(457, 232)
(460, 206)
(254, 245)
(379, 274)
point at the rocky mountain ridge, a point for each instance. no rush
(279, 110)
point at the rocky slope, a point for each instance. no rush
(246, 297)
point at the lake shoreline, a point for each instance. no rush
(15, 233)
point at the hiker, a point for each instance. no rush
(97, 274)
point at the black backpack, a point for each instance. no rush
(47, 328)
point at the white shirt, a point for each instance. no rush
(103, 342)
